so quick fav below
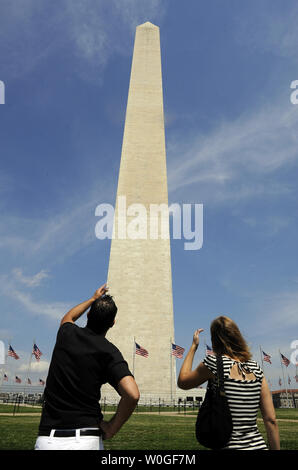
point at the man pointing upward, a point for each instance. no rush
(82, 360)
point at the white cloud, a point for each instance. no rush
(90, 30)
(134, 12)
(98, 31)
(271, 28)
(238, 159)
(5, 334)
(281, 312)
(51, 240)
(30, 281)
(41, 366)
(38, 370)
(268, 225)
(54, 310)
(72, 228)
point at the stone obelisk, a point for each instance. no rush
(139, 276)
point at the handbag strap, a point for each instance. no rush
(220, 374)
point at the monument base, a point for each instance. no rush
(110, 397)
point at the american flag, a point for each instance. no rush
(36, 351)
(18, 380)
(28, 381)
(42, 382)
(177, 351)
(141, 351)
(267, 357)
(209, 350)
(285, 360)
(12, 353)
(5, 377)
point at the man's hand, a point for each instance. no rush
(100, 292)
(78, 310)
(106, 428)
(129, 392)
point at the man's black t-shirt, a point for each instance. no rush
(81, 362)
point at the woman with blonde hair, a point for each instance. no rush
(245, 385)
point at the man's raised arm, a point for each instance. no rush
(77, 311)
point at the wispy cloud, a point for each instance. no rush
(267, 225)
(92, 31)
(272, 28)
(42, 244)
(20, 367)
(67, 232)
(54, 310)
(30, 281)
(134, 12)
(5, 334)
(53, 239)
(41, 366)
(238, 159)
(279, 313)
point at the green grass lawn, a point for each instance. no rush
(281, 413)
(285, 413)
(20, 409)
(145, 432)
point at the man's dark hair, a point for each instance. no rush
(102, 314)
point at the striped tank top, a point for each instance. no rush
(244, 398)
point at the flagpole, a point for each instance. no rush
(3, 369)
(262, 361)
(13, 368)
(261, 358)
(289, 382)
(2, 376)
(2, 372)
(133, 357)
(28, 370)
(10, 375)
(171, 366)
(283, 375)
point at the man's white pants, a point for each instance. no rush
(69, 443)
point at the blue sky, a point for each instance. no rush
(231, 136)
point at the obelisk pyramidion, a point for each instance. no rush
(139, 276)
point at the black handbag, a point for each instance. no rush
(214, 421)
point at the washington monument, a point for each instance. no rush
(139, 275)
